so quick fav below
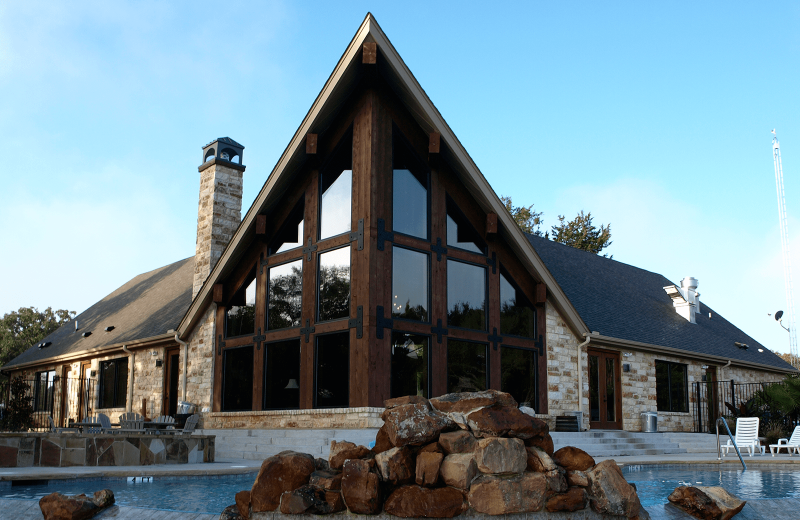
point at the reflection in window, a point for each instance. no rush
(409, 284)
(44, 385)
(409, 191)
(466, 295)
(671, 387)
(334, 284)
(282, 375)
(291, 234)
(466, 366)
(517, 316)
(114, 383)
(594, 388)
(285, 295)
(460, 232)
(409, 364)
(332, 371)
(336, 187)
(518, 374)
(237, 379)
(240, 317)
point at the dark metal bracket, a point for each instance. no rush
(440, 250)
(264, 263)
(357, 322)
(439, 330)
(381, 322)
(305, 331)
(539, 344)
(494, 338)
(383, 235)
(310, 248)
(493, 262)
(358, 235)
(220, 345)
(258, 339)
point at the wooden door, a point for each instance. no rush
(605, 397)
(85, 404)
(169, 405)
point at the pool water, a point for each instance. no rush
(654, 483)
(200, 494)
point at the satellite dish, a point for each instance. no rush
(778, 315)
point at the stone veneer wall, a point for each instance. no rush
(325, 418)
(200, 368)
(562, 368)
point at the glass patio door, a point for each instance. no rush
(605, 398)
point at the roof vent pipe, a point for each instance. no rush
(76, 325)
(685, 299)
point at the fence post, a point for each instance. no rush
(698, 405)
(733, 394)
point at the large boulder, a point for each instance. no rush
(328, 480)
(310, 500)
(286, 471)
(501, 456)
(466, 402)
(396, 466)
(573, 500)
(428, 464)
(556, 481)
(610, 493)
(361, 487)
(406, 399)
(577, 478)
(458, 470)
(504, 421)
(707, 503)
(243, 503)
(414, 424)
(56, 506)
(538, 460)
(495, 495)
(459, 441)
(382, 442)
(543, 442)
(341, 451)
(230, 513)
(573, 459)
(416, 501)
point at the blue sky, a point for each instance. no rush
(655, 118)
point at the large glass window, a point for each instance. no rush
(466, 295)
(336, 189)
(409, 191)
(290, 235)
(460, 232)
(114, 383)
(410, 358)
(237, 379)
(518, 374)
(334, 284)
(282, 375)
(517, 315)
(409, 284)
(240, 318)
(466, 366)
(44, 386)
(285, 302)
(332, 386)
(671, 387)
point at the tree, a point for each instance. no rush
(24, 328)
(792, 360)
(580, 233)
(527, 219)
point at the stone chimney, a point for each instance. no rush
(219, 210)
(686, 299)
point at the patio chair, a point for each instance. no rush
(105, 425)
(53, 428)
(188, 428)
(131, 422)
(746, 436)
(791, 444)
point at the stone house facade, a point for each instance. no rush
(286, 317)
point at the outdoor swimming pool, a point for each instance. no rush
(655, 483)
(206, 494)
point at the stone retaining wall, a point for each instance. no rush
(69, 449)
(324, 418)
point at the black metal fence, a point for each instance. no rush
(63, 399)
(715, 399)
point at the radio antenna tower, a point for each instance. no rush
(787, 264)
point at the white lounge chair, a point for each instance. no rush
(188, 427)
(791, 444)
(746, 436)
(131, 422)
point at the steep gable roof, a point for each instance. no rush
(146, 307)
(624, 302)
(419, 105)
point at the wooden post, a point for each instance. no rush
(261, 224)
(434, 142)
(311, 144)
(370, 53)
(217, 293)
(491, 224)
(144, 407)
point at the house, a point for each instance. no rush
(376, 262)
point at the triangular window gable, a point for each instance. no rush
(290, 235)
(410, 188)
(460, 232)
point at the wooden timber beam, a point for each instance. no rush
(434, 142)
(311, 144)
(217, 296)
(370, 53)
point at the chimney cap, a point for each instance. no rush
(223, 149)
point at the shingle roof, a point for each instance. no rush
(625, 302)
(226, 140)
(148, 305)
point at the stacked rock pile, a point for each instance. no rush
(439, 458)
